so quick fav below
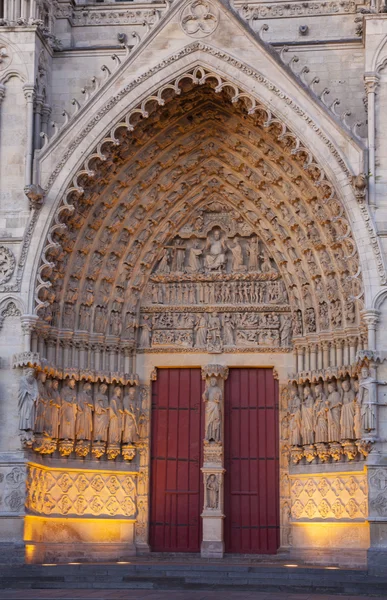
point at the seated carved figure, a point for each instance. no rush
(215, 258)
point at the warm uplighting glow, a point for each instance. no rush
(49, 565)
(123, 562)
(74, 563)
(290, 565)
(333, 568)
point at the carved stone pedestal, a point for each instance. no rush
(213, 472)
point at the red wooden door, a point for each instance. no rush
(251, 462)
(176, 458)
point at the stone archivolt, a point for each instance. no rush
(115, 224)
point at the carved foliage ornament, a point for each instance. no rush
(7, 264)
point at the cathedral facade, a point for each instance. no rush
(193, 280)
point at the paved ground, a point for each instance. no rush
(166, 595)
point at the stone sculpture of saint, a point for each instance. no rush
(164, 267)
(201, 331)
(253, 254)
(41, 403)
(307, 431)
(212, 398)
(347, 411)
(237, 256)
(68, 411)
(212, 488)
(228, 329)
(145, 335)
(213, 334)
(130, 429)
(101, 414)
(358, 407)
(367, 400)
(115, 416)
(320, 415)
(215, 258)
(286, 331)
(294, 418)
(178, 257)
(266, 266)
(28, 395)
(51, 420)
(84, 424)
(193, 263)
(334, 413)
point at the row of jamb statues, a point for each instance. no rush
(338, 413)
(53, 416)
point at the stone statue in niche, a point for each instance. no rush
(357, 416)
(215, 252)
(334, 412)
(212, 491)
(84, 424)
(294, 418)
(115, 417)
(130, 429)
(193, 261)
(101, 414)
(41, 403)
(307, 429)
(213, 398)
(320, 415)
(28, 395)
(347, 410)
(51, 421)
(178, 257)
(68, 411)
(367, 400)
(235, 248)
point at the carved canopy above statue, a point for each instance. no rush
(222, 215)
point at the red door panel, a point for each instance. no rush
(251, 462)
(176, 458)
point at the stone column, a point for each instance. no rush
(29, 93)
(28, 324)
(371, 81)
(213, 470)
(371, 318)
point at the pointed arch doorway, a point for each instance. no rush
(251, 499)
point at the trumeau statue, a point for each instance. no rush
(213, 399)
(28, 395)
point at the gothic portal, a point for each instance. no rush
(192, 280)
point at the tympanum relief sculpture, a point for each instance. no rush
(332, 420)
(215, 288)
(84, 418)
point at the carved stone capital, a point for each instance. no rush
(29, 92)
(26, 359)
(215, 371)
(370, 317)
(371, 82)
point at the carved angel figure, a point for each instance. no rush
(193, 262)
(28, 394)
(237, 256)
(212, 398)
(215, 258)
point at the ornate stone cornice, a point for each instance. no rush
(215, 371)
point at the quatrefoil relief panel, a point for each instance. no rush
(199, 19)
